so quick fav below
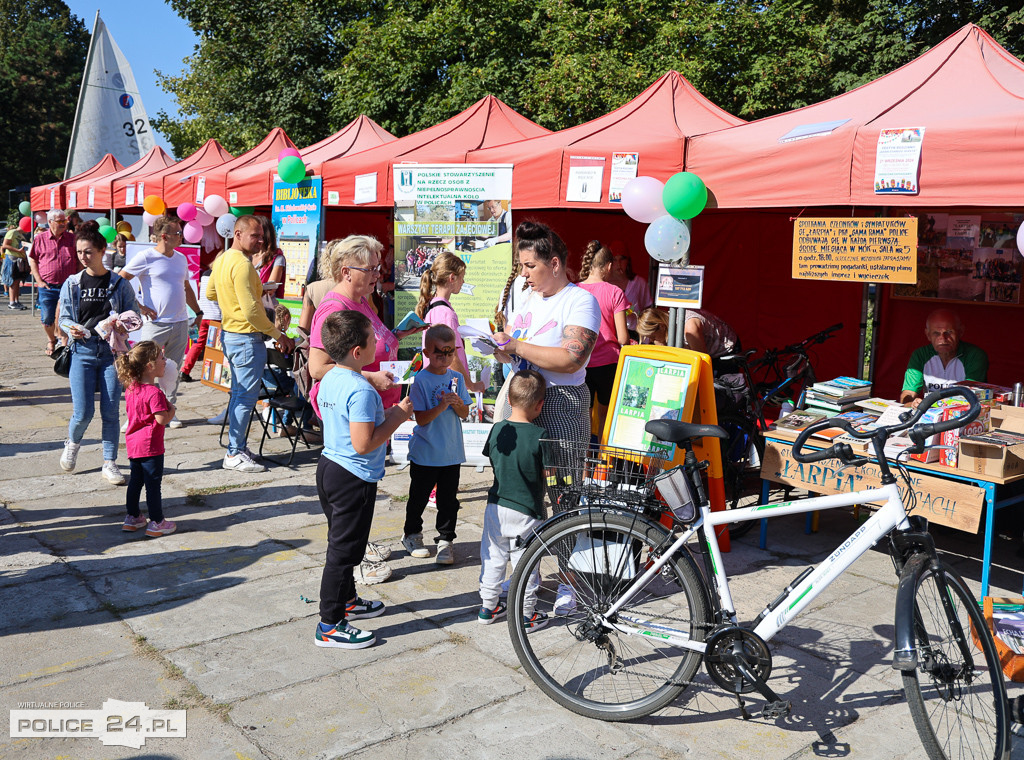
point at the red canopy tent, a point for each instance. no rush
(210, 154)
(487, 122)
(99, 193)
(655, 124)
(967, 93)
(252, 185)
(212, 180)
(54, 195)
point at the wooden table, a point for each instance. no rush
(945, 495)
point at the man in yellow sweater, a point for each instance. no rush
(235, 285)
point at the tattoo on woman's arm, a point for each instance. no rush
(579, 342)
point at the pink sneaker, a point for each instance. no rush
(155, 530)
(132, 524)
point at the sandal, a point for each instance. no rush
(50, 348)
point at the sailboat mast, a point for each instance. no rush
(81, 96)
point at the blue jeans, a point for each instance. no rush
(48, 298)
(92, 369)
(247, 357)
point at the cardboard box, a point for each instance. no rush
(951, 438)
(993, 459)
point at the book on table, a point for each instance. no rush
(797, 421)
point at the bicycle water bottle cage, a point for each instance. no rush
(673, 431)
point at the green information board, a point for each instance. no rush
(648, 389)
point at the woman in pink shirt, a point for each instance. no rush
(356, 267)
(594, 275)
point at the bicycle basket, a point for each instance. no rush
(579, 473)
(674, 487)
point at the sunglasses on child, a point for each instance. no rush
(444, 352)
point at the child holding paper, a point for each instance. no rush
(440, 402)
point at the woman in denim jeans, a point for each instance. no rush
(86, 299)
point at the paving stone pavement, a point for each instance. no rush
(218, 618)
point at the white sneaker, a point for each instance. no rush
(175, 423)
(70, 455)
(242, 462)
(376, 552)
(565, 599)
(445, 553)
(368, 573)
(413, 544)
(219, 419)
(124, 427)
(112, 473)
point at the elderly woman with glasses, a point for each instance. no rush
(355, 263)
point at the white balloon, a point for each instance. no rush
(642, 199)
(149, 219)
(226, 225)
(668, 240)
(1020, 239)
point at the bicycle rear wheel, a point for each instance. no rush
(956, 695)
(587, 666)
(741, 472)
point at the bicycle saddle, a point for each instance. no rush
(673, 431)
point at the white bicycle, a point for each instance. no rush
(648, 613)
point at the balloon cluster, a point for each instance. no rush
(668, 208)
(213, 211)
(25, 223)
(290, 166)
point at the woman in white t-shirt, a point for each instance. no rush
(552, 331)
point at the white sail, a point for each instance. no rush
(110, 117)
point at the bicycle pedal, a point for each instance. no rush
(778, 709)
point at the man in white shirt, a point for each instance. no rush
(163, 275)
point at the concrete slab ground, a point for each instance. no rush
(218, 618)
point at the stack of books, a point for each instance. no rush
(835, 396)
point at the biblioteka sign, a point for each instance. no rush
(881, 250)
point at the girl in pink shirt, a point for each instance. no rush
(594, 275)
(148, 412)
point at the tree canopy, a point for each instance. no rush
(311, 66)
(42, 57)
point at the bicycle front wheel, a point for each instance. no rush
(956, 695)
(584, 664)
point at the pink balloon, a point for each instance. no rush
(641, 199)
(216, 206)
(203, 217)
(288, 152)
(193, 232)
(1020, 238)
(187, 211)
(149, 219)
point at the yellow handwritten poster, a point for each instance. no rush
(875, 249)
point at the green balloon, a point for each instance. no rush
(103, 222)
(25, 208)
(108, 232)
(685, 195)
(291, 169)
(242, 210)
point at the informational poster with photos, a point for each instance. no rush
(967, 257)
(463, 210)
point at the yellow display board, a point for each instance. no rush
(874, 249)
(655, 382)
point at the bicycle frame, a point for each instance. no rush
(785, 608)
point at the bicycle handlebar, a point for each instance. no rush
(819, 337)
(918, 433)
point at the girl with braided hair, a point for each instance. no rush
(594, 276)
(445, 277)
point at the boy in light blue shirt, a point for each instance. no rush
(356, 431)
(436, 452)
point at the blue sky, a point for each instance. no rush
(151, 36)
